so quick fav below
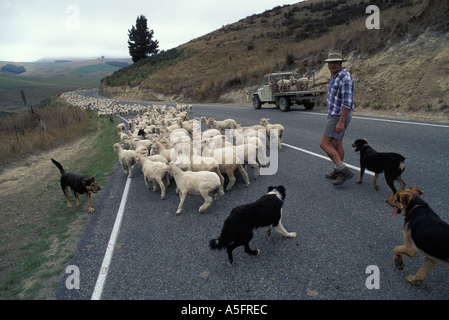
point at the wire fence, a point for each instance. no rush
(20, 128)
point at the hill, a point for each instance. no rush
(41, 80)
(399, 66)
(67, 69)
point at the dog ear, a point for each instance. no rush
(365, 139)
(270, 188)
(281, 189)
(418, 191)
(405, 198)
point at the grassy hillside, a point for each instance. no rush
(96, 68)
(45, 79)
(65, 69)
(37, 89)
(296, 36)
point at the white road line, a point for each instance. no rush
(110, 249)
(325, 157)
(389, 120)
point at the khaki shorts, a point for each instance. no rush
(329, 129)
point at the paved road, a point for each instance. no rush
(341, 230)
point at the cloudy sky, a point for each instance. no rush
(34, 29)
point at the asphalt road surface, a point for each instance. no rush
(345, 234)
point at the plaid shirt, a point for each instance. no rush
(340, 93)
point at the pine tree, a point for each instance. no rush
(140, 41)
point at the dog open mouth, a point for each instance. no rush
(395, 212)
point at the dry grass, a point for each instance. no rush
(237, 56)
(22, 133)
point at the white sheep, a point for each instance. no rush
(221, 125)
(248, 152)
(229, 162)
(269, 127)
(210, 164)
(159, 148)
(126, 159)
(155, 172)
(196, 183)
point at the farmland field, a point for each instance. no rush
(37, 89)
(95, 68)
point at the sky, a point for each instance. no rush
(34, 29)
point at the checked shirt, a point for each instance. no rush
(340, 93)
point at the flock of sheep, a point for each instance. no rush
(165, 144)
(105, 107)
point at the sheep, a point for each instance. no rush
(187, 125)
(159, 148)
(270, 127)
(208, 126)
(155, 172)
(144, 151)
(196, 183)
(218, 142)
(126, 159)
(257, 129)
(285, 84)
(221, 125)
(229, 162)
(304, 83)
(206, 135)
(248, 152)
(200, 163)
(121, 127)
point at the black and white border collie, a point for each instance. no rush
(238, 227)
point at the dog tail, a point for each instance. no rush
(216, 244)
(222, 241)
(61, 169)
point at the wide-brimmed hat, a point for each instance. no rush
(335, 55)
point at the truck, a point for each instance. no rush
(284, 89)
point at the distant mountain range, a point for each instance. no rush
(71, 59)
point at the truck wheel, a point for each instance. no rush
(309, 105)
(256, 103)
(284, 104)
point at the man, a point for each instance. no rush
(340, 103)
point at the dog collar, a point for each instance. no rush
(364, 146)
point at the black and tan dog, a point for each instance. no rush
(424, 231)
(392, 164)
(79, 185)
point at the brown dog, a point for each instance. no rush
(424, 231)
(78, 184)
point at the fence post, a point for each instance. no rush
(43, 126)
(17, 134)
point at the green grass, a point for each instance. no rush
(37, 89)
(40, 261)
(95, 68)
(12, 82)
